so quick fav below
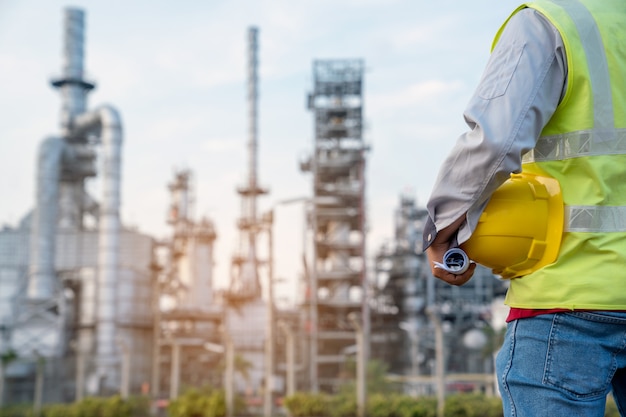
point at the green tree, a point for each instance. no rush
(377, 381)
(202, 402)
(242, 366)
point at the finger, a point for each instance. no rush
(454, 279)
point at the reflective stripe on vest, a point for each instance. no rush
(595, 219)
(596, 61)
(575, 144)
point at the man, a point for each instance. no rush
(552, 101)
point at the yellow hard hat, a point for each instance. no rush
(521, 227)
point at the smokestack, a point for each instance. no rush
(252, 117)
(72, 84)
(56, 198)
(245, 278)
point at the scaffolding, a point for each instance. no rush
(337, 279)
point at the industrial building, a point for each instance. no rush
(102, 309)
(76, 284)
(185, 314)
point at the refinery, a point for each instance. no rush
(90, 306)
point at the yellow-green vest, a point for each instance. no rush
(583, 146)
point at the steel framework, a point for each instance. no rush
(337, 279)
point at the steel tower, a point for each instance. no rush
(244, 281)
(245, 311)
(337, 280)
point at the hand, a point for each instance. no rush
(435, 254)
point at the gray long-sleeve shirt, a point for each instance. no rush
(522, 84)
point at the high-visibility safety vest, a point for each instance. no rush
(583, 146)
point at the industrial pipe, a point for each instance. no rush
(361, 366)
(253, 112)
(290, 357)
(106, 121)
(268, 397)
(440, 369)
(175, 370)
(125, 380)
(42, 278)
(229, 374)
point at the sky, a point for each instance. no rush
(176, 72)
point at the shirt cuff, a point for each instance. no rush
(429, 234)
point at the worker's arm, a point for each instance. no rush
(522, 85)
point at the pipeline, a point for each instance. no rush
(106, 121)
(42, 278)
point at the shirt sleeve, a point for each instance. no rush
(521, 86)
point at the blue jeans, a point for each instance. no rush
(563, 364)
